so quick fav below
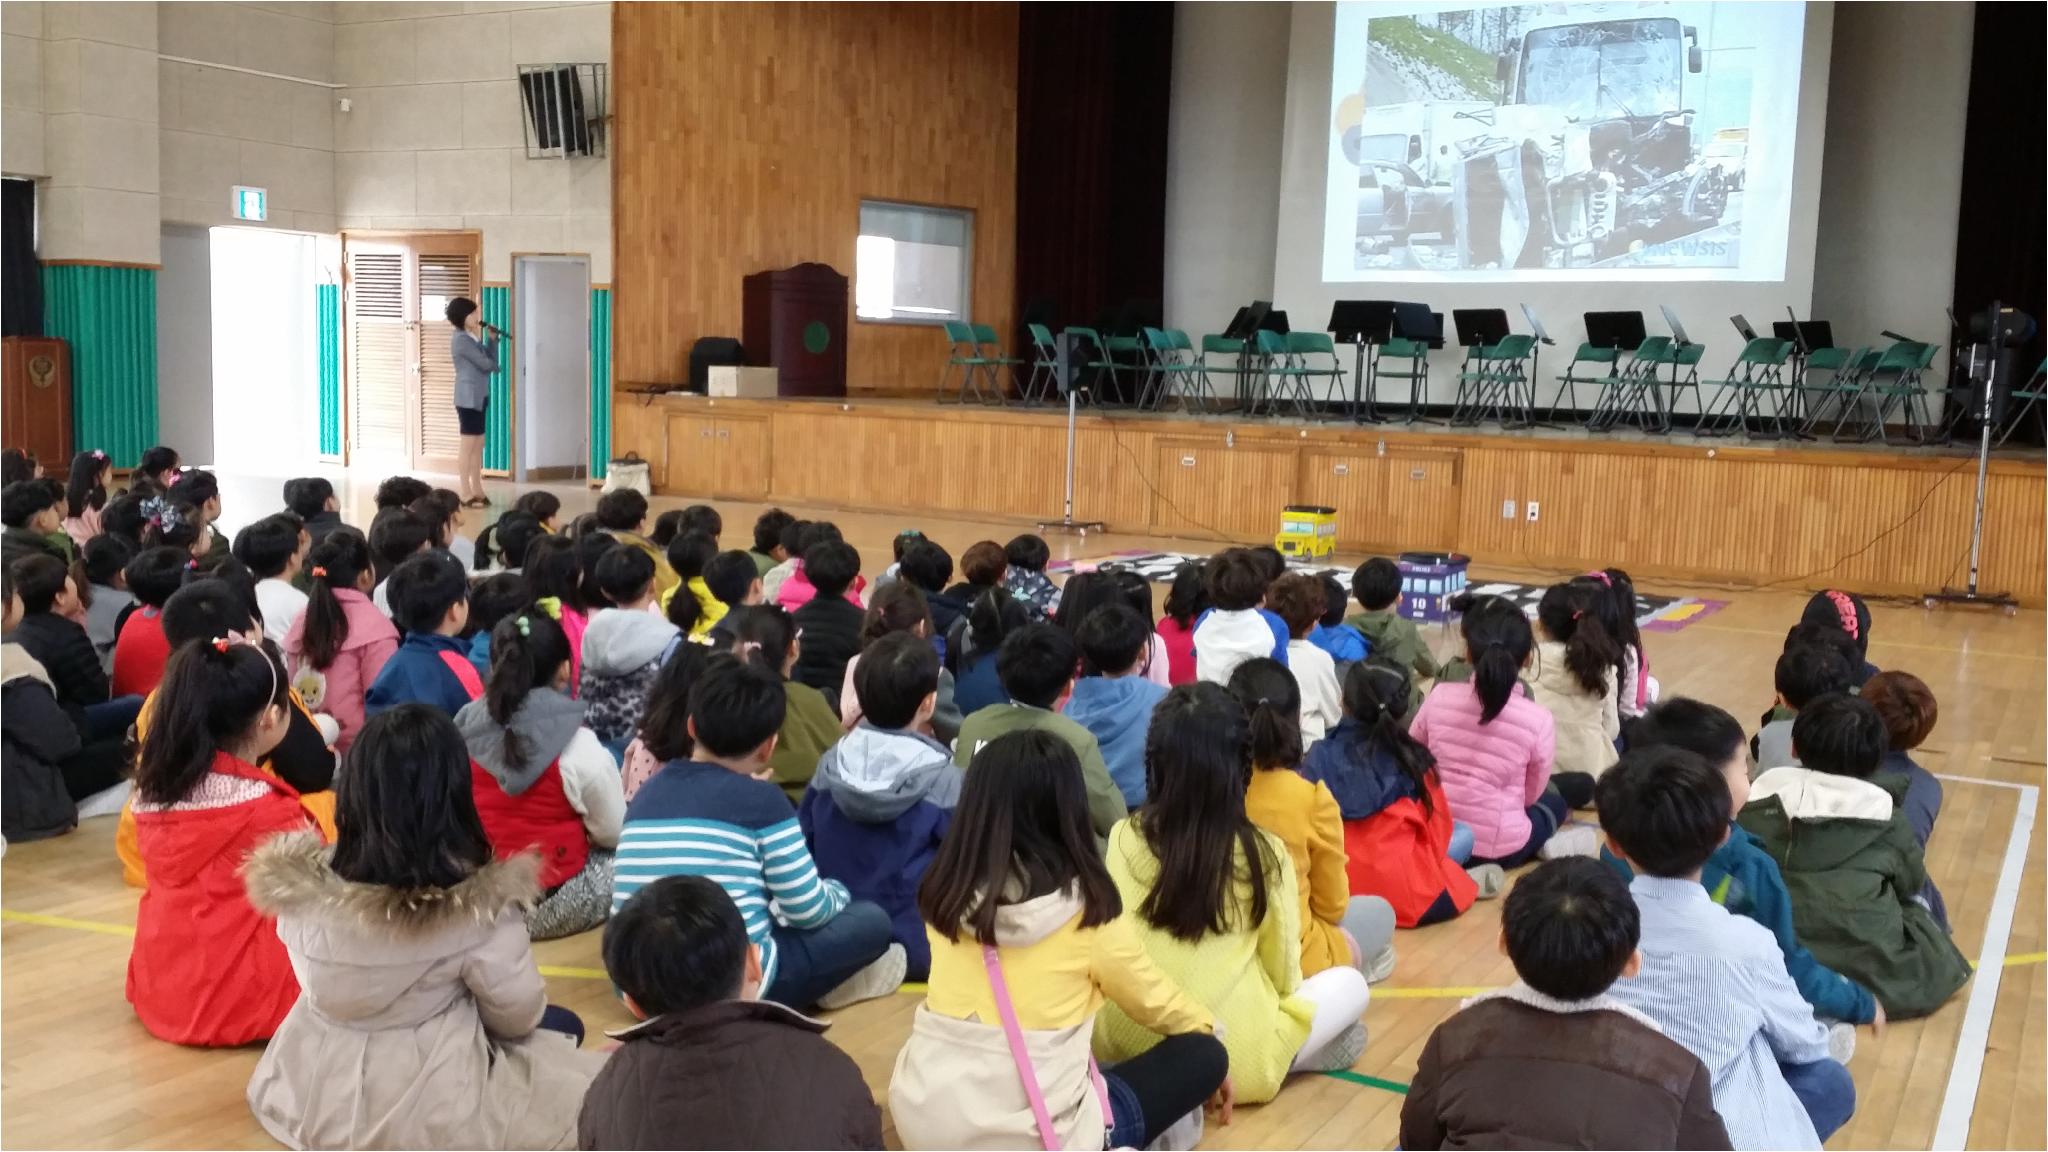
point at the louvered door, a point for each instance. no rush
(380, 349)
(401, 373)
(447, 268)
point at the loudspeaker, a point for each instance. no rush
(1070, 359)
(708, 351)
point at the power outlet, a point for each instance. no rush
(1507, 509)
(1532, 511)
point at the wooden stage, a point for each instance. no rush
(1728, 513)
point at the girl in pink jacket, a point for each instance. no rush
(1494, 746)
(340, 642)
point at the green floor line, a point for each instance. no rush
(1394, 1086)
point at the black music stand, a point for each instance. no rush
(1361, 323)
(1622, 332)
(1244, 328)
(1478, 330)
(1419, 326)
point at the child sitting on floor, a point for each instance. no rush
(396, 535)
(1908, 709)
(1027, 556)
(768, 638)
(795, 534)
(1494, 747)
(1377, 586)
(884, 794)
(797, 590)
(1345, 644)
(624, 648)
(1298, 599)
(1216, 907)
(1186, 600)
(623, 514)
(420, 981)
(929, 567)
(1838, 829)
(1741, 876)
(688, 600)
(768, 549)
(1552, 1060)
(993, 618)
(140, 652)
(1336, 927)
(1804, 673)
(104, 557)
(1400, 842)
(1847, 613)
(1636, 689)
(542, 779)
(1027, 939)
(732, 581)
(1036, 664)
(207, 968)
(830, 625)
(1714, 981)
(274, 549)
(1239, 627)
(430, 604)
(1111, 699)
(664, 733)
(678, 953)
(1575, 681)
(719, 815)
(339, 645)
(899, 607)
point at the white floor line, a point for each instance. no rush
(1959, 1102)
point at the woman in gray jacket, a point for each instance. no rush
(476, 357)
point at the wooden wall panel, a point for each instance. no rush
(1800, 517)
(747, 134)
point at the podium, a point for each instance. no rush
(38, 399)
(795, 321)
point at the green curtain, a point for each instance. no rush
(327, 303)
(497, 305)
(108, 316)
(600, 381)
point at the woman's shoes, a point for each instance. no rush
(477, 502)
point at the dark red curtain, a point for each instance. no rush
(1093, 83)
(2000, 249)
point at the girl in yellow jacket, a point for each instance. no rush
(998, 1055)
(1214, 900)
(1336, 927)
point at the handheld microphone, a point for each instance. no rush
(497, 330)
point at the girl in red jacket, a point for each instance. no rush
(207, 968)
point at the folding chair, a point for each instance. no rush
(1755, 390)
(1166, 370)
(1279, 378)
(1301, 346)
(991, 351)
(1410, 362)
(1839, 388)
(1492, 380)
(1045, 359)
(1100, 361)
(1624, 393)
(1567, 384)
(2031, 397)
(1894, 383)
(1228, 346)
(964, 354)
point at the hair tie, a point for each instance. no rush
(1846, 609)
(319, 573)
(552, 605)
(1602, 577)
(526, 626)
(220, 644)
(97, 454)
(191, 565)
(1576, 614)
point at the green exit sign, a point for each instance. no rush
(251, 203)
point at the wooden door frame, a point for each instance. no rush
(389, 236)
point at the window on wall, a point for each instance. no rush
(913, 264)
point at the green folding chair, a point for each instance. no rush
(1277, 379)
(1491, 382)
(1302, 350)
(1596, 358)
(993, 360)
(1403, 359)
(1168, 370)
(964, 354)
(2030, 398)
(1045, 358)
(1632, 394)
(1098, 361)
(1754, 398)
(1830, 378)
(1893, 384)
(1226, 346)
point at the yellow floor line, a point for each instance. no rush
(574, 973)
(2016, 961)
(37, 918)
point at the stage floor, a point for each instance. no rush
(1882, 519)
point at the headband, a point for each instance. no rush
(1846, 609)
(222, 644)
(552, 606)
(1602, 577)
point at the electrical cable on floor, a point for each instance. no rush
(1874, 541)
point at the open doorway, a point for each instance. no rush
(266, 350)
(551, 353)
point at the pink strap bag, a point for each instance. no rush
(1047, 1134)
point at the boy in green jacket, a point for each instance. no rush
(1851, 863)
(1036, 666)
(1377, 587)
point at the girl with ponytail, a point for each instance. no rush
(1336, 927)
(1399, 839)
(542, 779)
(501, 546)
(339, 644)
(1638, 689)
(1847, 613)
(764, 634)
(1494, 747)
(1577, 681)
(207, 968)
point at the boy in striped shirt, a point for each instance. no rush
(719, 815)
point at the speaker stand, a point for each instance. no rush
(1970, 594)
(1066, 522)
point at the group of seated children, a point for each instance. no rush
(1181, 847)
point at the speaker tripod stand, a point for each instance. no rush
(1970, 594)
(1066, 523)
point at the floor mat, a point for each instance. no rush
(1653, 613)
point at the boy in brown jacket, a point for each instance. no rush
(1551, 1061)
(711, 1065)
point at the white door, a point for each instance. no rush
(266, 351)
(551, 353)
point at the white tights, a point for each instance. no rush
(1340, 995)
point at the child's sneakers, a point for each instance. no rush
(1573, 839)
(879, 979)
(1338, 1054)
(1381, 966)
(1491, 878)
(1841, 1041)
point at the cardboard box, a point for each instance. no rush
(727, 380)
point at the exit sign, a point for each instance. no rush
(251, 203)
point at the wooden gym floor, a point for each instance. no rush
(76, 1070)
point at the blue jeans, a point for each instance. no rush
(559, 1019)
(1826, 1090)
(111, 720)
(1461, 842)
(812, 962)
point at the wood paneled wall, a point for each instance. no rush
(747, 135)
(1745, 516)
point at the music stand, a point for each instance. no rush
(1742, 326)
(1359, 323)
(1536, 365)
(1275, 321)
(1678, 335)
(1621, 331)
(1480, 327)
(1415, 323)
(1536, 326)
(1249, 319)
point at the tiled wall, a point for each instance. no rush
(97, 103)
(433, 137)
(221, 127)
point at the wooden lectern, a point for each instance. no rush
(37, 408)
(795, 320)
